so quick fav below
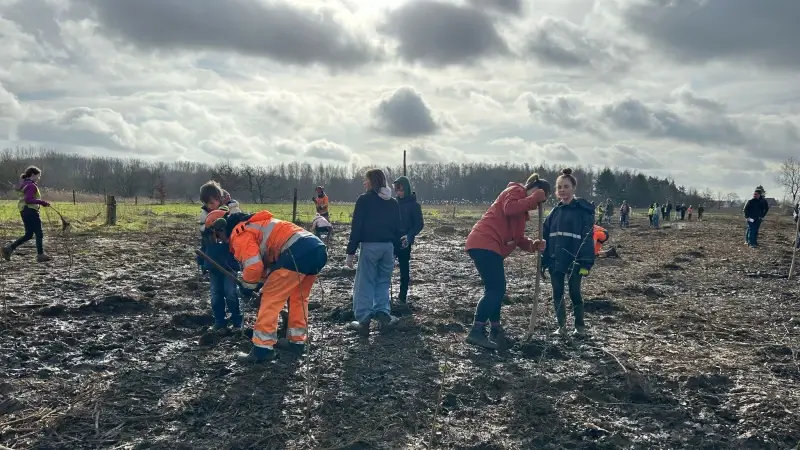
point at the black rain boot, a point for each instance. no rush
(498, 336)
(257, 355)
(477, 336)
(580, 326)
(6, 252)
(296, 349)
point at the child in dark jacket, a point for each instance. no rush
(411, 224)
(223, 288)
(569, 252)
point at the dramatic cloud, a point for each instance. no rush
(504, 6)
(703, 91)
(404, 113)
(698, 31)
(327, 150)
(562, 43)
(633, 115)
(284, 31)
(440, 34)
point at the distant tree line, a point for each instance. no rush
(434, 183)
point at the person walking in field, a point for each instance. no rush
(30, 201)
(700, 210)
(375, 228)
(650, 212)
(624, 214)
(754, 211)
(321, 201)
(411, 225)
(569, 254)
(496, 235)
(689, 211)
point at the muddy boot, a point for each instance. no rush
(257, 355)
(477, 336)
(43, 258)
(220, 328)
(6, 252)
(498, 336)
(612, 253)
(362, 328)
(386, 322)
(296, 349)
(561, 332)
(579, 331)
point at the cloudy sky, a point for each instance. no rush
(705, 91)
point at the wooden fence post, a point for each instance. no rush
(74, 200)
(111, 210)
(294, 207)
(405, 171)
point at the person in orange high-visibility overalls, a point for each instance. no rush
(600, 237)
(287, 259)
(321, 201)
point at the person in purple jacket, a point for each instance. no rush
(30, 200)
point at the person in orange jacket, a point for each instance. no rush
(600, 236)
(321, 201)
(287, 259)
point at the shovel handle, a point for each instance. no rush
(217, 266)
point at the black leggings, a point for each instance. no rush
(557, 281)
(33, 227)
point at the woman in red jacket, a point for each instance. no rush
(492, 239)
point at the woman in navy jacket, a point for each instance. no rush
(569, 253)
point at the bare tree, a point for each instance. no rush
(733, 199)
(789, 177)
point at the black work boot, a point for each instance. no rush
(6, 252)
(498, 336)
(362, 328)
(477, 336)
(257, 355)
(386, 322)
(297, 349)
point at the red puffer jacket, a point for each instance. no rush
(502, 227)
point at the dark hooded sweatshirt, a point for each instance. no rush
(376, 218)
(568, 230)
(411, 221)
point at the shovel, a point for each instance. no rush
(537, 292)
(217, 266)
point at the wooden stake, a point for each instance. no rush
(537, 291)
(794, 251)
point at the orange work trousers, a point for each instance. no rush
(280, 285)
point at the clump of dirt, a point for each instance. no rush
(113, 304)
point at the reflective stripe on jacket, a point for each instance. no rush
(259, 242)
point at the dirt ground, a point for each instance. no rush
(693, 344)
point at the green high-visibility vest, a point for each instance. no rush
(21, 205)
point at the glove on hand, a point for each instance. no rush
(350, 261)
(584, 272)
(405, 241)
(45, 204)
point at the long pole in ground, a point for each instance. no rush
(537, 291)
(794, 251)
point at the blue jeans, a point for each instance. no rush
(223, 293)
(492, 270)
(751, 235)
(373, 277)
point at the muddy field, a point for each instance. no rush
(693, 344)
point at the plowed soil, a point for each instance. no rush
(694, 342)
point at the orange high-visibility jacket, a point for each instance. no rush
(600, 235)
(258, 243)
(322, 204)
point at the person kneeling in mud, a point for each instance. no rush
(287, 259)
(601, 237)
(568, 254)
(495, 236)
